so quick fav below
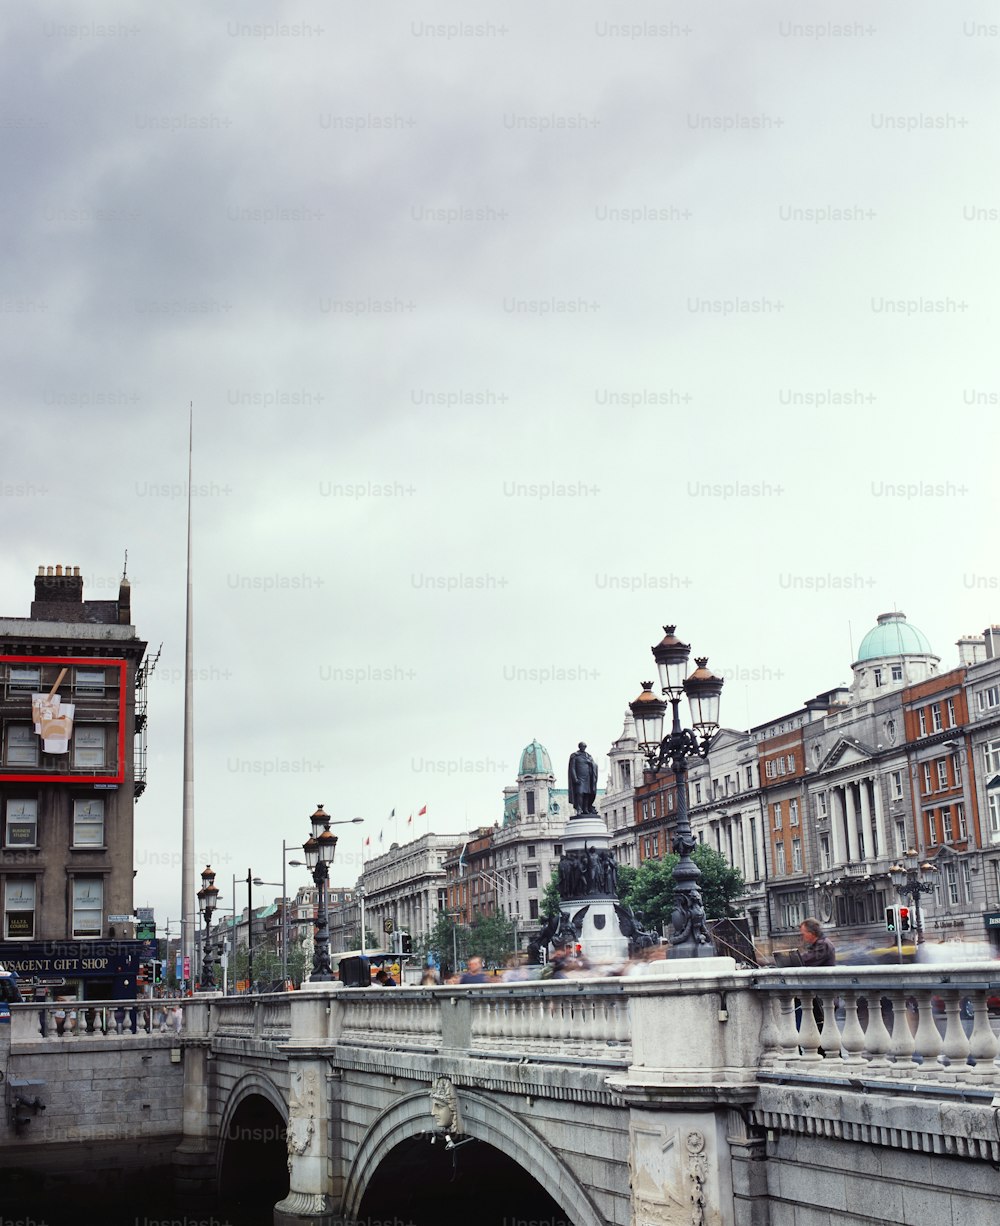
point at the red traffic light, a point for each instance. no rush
(904, 919)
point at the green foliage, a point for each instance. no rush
(626, 880)
(492, 938)
(550, 898)
(442, 941)
(651, 889)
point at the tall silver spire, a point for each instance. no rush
(189, 916)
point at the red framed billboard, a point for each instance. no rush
(63, 725)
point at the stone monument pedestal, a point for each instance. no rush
(586, 876)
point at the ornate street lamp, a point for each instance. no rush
(906, 878)
(208, 896)
(319, 850)
(689, 937)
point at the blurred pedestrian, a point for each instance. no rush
(816, 949)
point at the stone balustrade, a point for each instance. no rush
(916, 1024)
(63, 1020)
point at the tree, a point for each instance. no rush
(626, 880)
(492, 938)
(652, 887)
(443, 941)
(551, 902)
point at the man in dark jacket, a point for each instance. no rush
(815, 950)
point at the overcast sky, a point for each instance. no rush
(512, 333)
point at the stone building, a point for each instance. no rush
(72, 724)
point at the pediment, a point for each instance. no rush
(845, 753)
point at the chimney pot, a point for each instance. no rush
(76, 572)
(58, 570)
(50, 570)
(41, 570)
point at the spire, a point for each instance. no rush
(188, 901)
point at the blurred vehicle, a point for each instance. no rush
(956, 951)
(9, 993)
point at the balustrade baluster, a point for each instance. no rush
(788, 1031)
(878, 1040)
(955, 1045)
(902, 1045)
(927, 1039)
(982, 1041)
(810, 1039)
(852, 1037)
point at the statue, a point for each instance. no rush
(444, 1105)
(630, 924)
(582, 773)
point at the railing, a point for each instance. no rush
(919, 1024)
(579, 1019)
(62, 1020)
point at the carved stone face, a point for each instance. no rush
(444, 1105)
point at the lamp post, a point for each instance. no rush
(688, 938)
(320, 848)
(907, 883)
(208, 896)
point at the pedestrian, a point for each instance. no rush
(384, 979)
(429, 979)
(475, 973)
(816, 949)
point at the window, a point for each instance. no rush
(652, 807)
(897, 672)
(793, 812)
(769, 769)
(878, 677)
(626, 774)
(529, 800)
(922, 721)
(936, 721)
(749, 774)
(532, 908)
(793, 909)
(697, 793)
(88, 746)
(670, 801)
(951, 880)
(24, 679)
(532, 879)
(729, 783)
(956, 770)
(942, 773)
(822, 804)
(88, 823)
(932, 828)
(796, 855)
(950, 712)
(790, 763)
(645, 810)
(927, 778)
(531, 851)
(19, 908)
(22, 745)
(776, 815)
(900, 838)
(90, 681)
(966, 880)
(963, 829)
(557, 849)
(781, 765)
(896, 781)
(991, 756)
(779, 859)
(989, 698)
(947, 824)
(824, 851)
(22, 824)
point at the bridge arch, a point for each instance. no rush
(253, 1125)
(484, 1120)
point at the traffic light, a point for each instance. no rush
(892, 919)
(406, 943)
(904, 919)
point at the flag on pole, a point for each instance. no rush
(461, 861)
(392, 816)
(409, 820)
(422, 811)
(368, 841)
(380, 836)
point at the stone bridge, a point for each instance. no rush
(700, 1095)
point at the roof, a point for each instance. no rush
(893, 636)
(535, 760)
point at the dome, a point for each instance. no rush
(535, 760)
(893, 636)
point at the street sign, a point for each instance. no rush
(122, 919)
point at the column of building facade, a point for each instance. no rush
(838, 825)
(853, 845)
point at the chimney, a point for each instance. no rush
(971, 649)
(54, 585)
(124, 602)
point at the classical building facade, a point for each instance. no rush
(72, 722)
(406, 887)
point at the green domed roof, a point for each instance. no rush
(893, 636)
(535, 760)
